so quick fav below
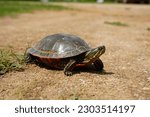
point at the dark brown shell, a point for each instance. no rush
(59, 46)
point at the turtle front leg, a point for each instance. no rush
(69, 67)
(98, 65)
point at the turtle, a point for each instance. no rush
(65, 51)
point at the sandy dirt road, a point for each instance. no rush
(127, 57)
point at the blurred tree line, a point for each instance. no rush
(64, 0)
(124, 1)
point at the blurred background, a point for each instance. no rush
(99, 1)
(13, 7)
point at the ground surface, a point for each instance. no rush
(127, 58)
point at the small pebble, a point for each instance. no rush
(148, 78)
(146, 88)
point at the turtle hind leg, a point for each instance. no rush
(69, 67)
(98, 65)
(28, 58)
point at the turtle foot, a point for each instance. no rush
(68, 73)
(27, 58)
(98, 65)
(69, 67)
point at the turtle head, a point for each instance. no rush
(93, 54)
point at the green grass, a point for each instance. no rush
(116, 23)
(12, 8)
(10, 61)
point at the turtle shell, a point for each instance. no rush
(59, 46)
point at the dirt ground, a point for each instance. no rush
(126, 60)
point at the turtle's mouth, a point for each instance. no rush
(94, 54)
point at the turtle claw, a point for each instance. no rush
(68, 73)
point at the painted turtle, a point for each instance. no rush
(65, 51)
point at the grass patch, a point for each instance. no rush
(116, 23)
(10, 61)
(12, 8)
